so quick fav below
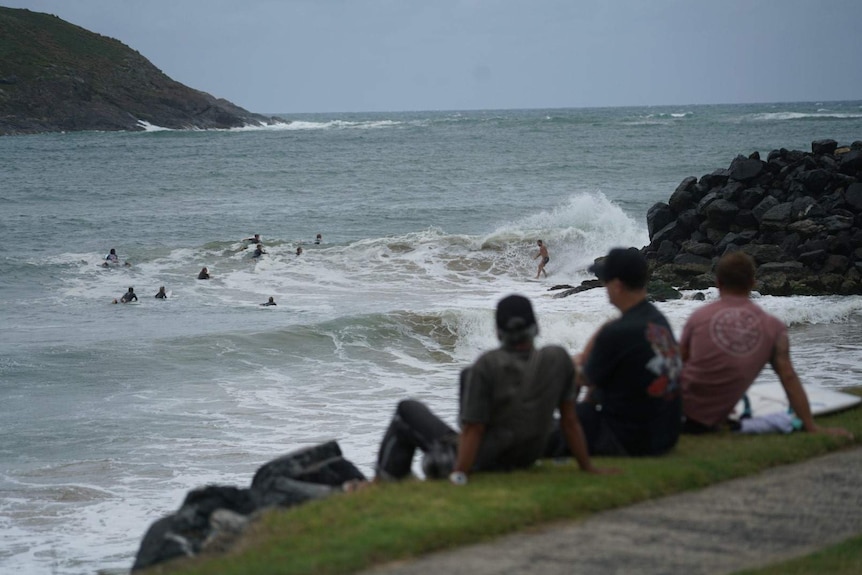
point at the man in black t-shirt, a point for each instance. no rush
(508, 399)
(631, 367)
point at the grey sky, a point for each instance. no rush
(283, 56)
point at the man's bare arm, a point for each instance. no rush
(468, 446)
(795, 392)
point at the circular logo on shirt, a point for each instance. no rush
(736, 331)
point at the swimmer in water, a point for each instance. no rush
(129, 296)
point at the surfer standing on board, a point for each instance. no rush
(726, 343)
(543, 253)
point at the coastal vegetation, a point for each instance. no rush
(55, 76)
(390, 522)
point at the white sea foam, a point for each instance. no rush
(148, 127)
(779, 116)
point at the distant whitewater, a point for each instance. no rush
(111, 413)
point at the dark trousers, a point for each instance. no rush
(413, 426)
(600, 439)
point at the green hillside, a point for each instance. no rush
(55, 76)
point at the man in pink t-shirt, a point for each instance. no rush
(725, 344)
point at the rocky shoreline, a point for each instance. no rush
(213, 517)
(798, 214)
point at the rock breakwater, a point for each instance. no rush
(798, 214)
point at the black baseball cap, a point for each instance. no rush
(515, 319)
(625, 264)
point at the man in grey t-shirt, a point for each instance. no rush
(508, 400)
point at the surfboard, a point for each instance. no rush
(769, 397)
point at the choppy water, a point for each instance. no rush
(110, 413)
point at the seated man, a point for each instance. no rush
(726, 343)
(508, 399)
(631, 366)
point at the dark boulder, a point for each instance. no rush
(764, 206)
(816, 182)
(184, 532)
(777, 217)
(751, 197)
(827, 146)
(851, 162)
(706, 200)
(321, 464)
(680, 200)
(702, 249)
(745, 169)
(853, 196)
(659, 216)
(705, 264)
(721, 213)
(813, 259)
(765, 253)
(715, 179)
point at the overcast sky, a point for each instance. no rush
(291, 56)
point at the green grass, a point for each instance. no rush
(399, 521)
(842, 559)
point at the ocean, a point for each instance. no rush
(109, 413)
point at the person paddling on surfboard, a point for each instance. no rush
(161, 294)
(129, 296)
(111, 259)
(725, 345)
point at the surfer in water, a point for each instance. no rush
(543, 253)
(129, 296)
(161, 294)
(269, 302)
(318, 239)
(255, 239)
(111, 259)
(299, 250)
(204, 275)
(258, 251)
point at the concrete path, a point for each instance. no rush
(785, 512)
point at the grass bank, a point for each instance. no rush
(842, 559)
(388, 522)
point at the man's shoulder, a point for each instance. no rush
(553, 353)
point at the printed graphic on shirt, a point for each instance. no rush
(736, 331)
(666, 364)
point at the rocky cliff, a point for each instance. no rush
(55, 76)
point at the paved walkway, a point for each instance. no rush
(784, 512)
